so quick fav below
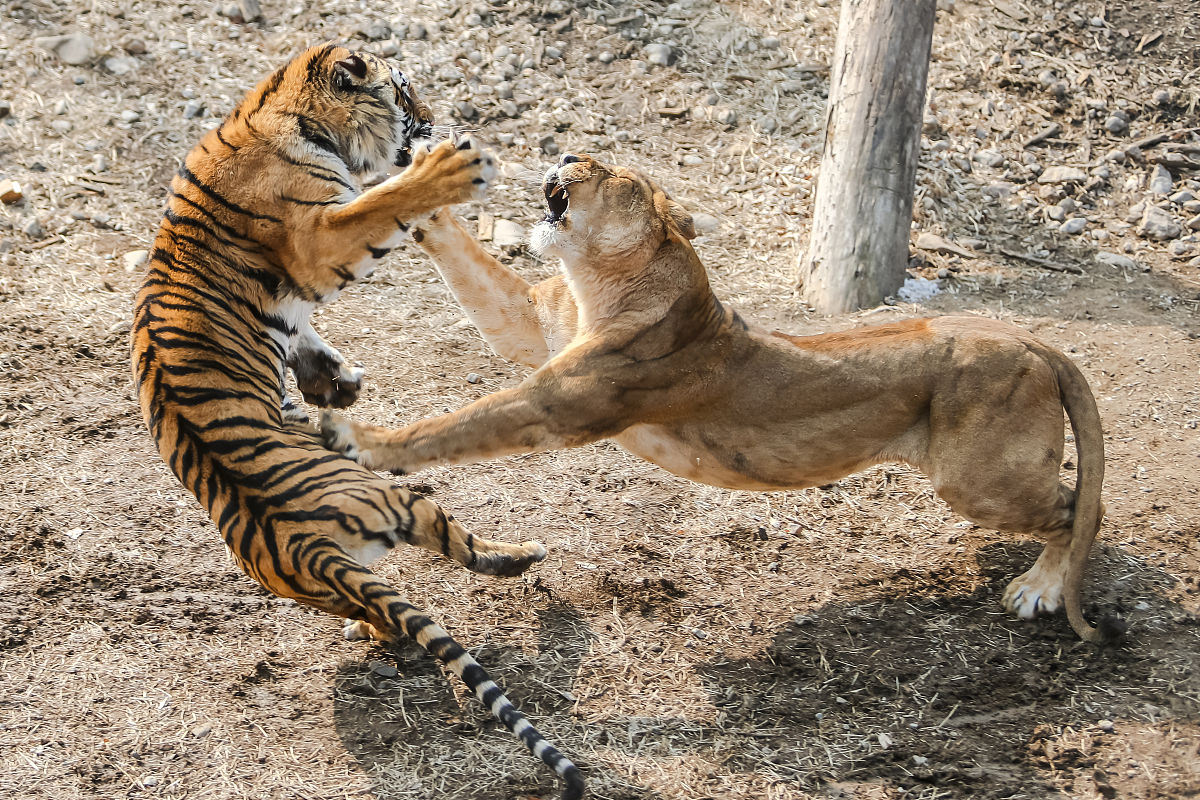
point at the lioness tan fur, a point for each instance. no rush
(630, 343)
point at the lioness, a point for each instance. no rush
(630, 343)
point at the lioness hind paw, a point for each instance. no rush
(1028, 598)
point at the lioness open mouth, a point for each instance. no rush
(556, 200)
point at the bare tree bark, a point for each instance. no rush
(858, 249)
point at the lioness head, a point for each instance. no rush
(597, 212)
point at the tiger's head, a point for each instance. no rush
(357, 105)
(596, 212)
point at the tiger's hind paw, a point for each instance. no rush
(357, 630)
(504, 560)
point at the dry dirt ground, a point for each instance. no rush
(680, 641)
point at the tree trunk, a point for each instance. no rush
(858, 250)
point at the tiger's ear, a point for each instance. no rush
(349, 71)
(675, 215)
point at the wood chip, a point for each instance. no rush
(1010, 10)
(674, 112)
(1148, 40)
(485, 227)
(1045, 133)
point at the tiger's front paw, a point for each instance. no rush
(328, 383)
(456, 170)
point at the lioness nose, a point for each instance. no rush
(569, 159)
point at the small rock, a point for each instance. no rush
(387, 670)
(1105, 725)
(771, 43)
(75, 49)
(150, 780)
(1158, 225)
(1192, 207)
(1056, 213)
(998, 189)
(417, 30)
(1062, 175)
(130, 115)
(1074, 226)
(193, 110)
(10, 192)
(989, 158)
(375, 31)
(1117, 123)
(1047, 77)
(120, 65)
(134, 259)
(1115, 156)
(62, 126)
(705, 224)
(507, 233)
(659, 53)
(727, 116)
(474, 377)
(1182, 196)
(465, 110)
(135, 47)
(606, 57)
(1162, 97)
(766, 123)
(1161, 181)
(33, 229)
(1180, 249)
(201, 730)
(1194, 223)
(548, 145)
(691, 160)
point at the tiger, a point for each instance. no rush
(266, 220)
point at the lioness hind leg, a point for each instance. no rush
(1040, 589)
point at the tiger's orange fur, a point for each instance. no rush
(266, 220)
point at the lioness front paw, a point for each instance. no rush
(340, 436)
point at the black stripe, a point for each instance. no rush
(212, 194)
(378, 252)
(289, 199)
(309, 131)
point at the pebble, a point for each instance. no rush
(771, 42)
(548, 145)
(135, 259)
(1182, 196)
(1062, 175)
(691, 160)
(1158, 225)
(374, 31)
(474, 377)
(727, 116)
(989, 158)
(130, 115)
(1116, 156)
(1194, 223)
(1117, 123)
(120, 65)
(1162, 97)
(1056, 213)
(465, 110)
(1074, 226)
(1160, 180)
(33, 229)
(201, 730)
(5, 108)
(659, 53)
(193, 110)
(1047, 77)
(1191, 206)
(62, 126)
(606, 57)
(135, 47)
(1179, 249)
(998, 189)
(10, 192)
(1105, 725)
(75, 49)
(705, 224)
(766, 123)
(387, 670)
(507, 233)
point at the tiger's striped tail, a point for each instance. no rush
(383, 604)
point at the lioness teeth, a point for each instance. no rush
(557, 188)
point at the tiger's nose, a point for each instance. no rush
(569, 159)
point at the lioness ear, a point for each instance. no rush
(676, 215)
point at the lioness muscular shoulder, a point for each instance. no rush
(630, 343)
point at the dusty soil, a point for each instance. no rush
(681, 641)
